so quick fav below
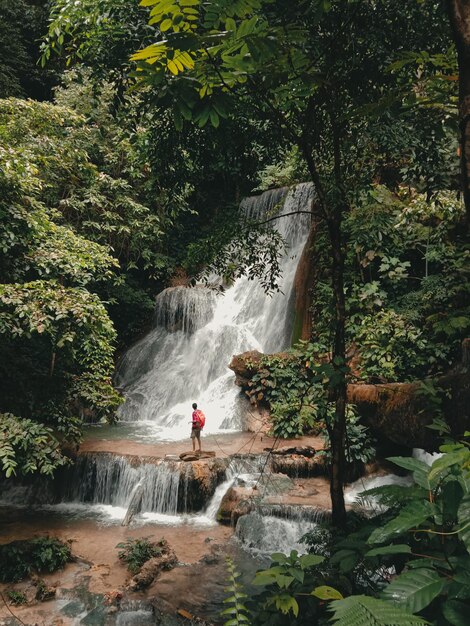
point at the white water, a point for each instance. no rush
(185, 358)
(352, 493)
(426, 457)
(266, 533)
(112, 480)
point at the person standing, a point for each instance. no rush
(198, 421)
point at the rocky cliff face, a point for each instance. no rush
(395, 412)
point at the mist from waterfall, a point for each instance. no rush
(185, 357)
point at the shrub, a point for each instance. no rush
(16, 598)
(41, 554)
(136, 552)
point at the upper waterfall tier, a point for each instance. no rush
(184, 358)
(185, 309)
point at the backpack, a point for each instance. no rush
(201, 418)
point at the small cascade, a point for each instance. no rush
(184, 308)
(267, 533)
(301, 513)
(241, 470)
(185, 357)
(108, 479)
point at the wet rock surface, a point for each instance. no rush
(151, 569)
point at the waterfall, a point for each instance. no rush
(108, 479)
(184, 358)
(268, 533)
(242, 470)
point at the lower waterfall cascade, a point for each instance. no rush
(185, 357)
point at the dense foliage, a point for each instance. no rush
(40, 555)
(407, 562)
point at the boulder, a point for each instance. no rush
(307, 451)
(400, 412)
(245, 366)
(236, 502)
(199, 479)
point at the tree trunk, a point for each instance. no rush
(333, 218)
(338, 430)
(459, 15)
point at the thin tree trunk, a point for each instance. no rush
(333, 218)
(459, 15)
(338, 430)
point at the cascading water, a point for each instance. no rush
(185, 357)
(108, 479)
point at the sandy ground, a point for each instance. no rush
(95, 545)
(222, 445)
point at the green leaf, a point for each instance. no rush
(463, 517)
(456, 612)
(451, 498)
(419, 468)
(309, 560)
(445, 462)
(413, 514)
(399, 548)
(286, 603)
(325, 592)
(366, 611)
(414, 590)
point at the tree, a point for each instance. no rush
(459, 14)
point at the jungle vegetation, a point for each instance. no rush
(129, 134)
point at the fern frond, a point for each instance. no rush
(366, 611)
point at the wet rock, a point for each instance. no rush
(236, 502)
(307, 451)
(298, 465)
(195, 456)
(198, 482)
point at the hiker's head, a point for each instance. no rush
(194, 406)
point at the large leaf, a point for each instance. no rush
(456, 612)
(412, 515)
(445, 462)
(419, 468)
(414, 590)
(463, 517)
(325, 592)
(400, 548)
(366, 611)
(452, 493)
